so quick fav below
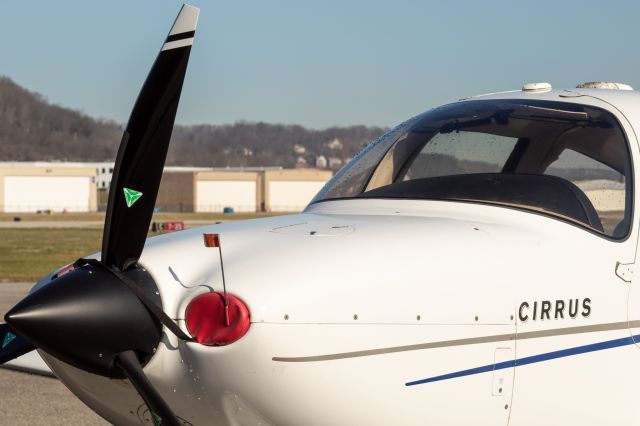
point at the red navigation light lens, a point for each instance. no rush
(206, 319)
(70, 267)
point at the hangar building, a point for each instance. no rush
(41, 186)
(243, 190)
(83, 187)
(290, 190)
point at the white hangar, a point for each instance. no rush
(41, 186)
(243, 190)
(30, 187)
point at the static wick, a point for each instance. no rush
(213, 240)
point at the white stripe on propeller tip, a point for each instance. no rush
(178, 43)
(186, 21)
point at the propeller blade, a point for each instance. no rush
(143, 149)
(106, 316)
(11, 344)
(160, 411)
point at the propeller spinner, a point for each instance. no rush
(104, 316)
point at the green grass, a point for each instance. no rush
(29, 254)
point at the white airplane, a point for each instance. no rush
(474, 265)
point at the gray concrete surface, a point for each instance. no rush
(27, 399)
(52, 224)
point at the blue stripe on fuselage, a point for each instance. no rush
(532, 359)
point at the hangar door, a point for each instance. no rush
(292, 196)
(214, 196)
(56, 193)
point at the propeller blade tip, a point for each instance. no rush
(186, 21)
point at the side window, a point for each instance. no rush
(353, 176)
(603, 186)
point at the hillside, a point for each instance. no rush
(32, 129)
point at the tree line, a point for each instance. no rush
(32, 129)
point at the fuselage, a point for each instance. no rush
(401, 311)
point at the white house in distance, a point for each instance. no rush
(321, 162)
(335, 144)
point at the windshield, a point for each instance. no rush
(566, 160)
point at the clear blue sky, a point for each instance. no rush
(318, 63)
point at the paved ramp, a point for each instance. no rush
(27, 399)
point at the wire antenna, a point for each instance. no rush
(213, 240)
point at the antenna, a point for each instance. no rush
(213, 240)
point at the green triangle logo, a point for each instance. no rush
(131, 196)
(8, 338)
(157, 420)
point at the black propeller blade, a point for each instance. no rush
(11, 345)
(128, 362)
(105, 316)
(141, 156)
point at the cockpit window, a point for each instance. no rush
(461, 152)
(566, 160)
(350, 179)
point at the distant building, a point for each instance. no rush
(335, 144)
(104, 172)
(290, 190)
(299, 149)
(301, 162)
(73, 187)
(257, 190)
(47, 186)
(321, 162)
(335, 163)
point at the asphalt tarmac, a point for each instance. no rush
(28, 399)
(81, 224)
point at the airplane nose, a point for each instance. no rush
(87, 317)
